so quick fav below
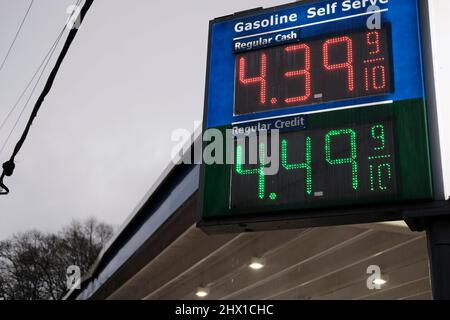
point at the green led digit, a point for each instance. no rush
(353, 154)
(380, 168)
(305, 165)
(372, 178)
(259, 171)
(262, 180)
(378, 133)
(386, 166)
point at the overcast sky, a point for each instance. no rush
(134, 73)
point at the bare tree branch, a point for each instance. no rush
(33, 264)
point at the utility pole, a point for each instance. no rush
(438, 236)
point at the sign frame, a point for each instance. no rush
(310, 217)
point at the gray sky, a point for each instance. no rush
(134, 73)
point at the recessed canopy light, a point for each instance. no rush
(379, 281)
(202, 292)
(257, 263)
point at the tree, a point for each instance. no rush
(33, 264)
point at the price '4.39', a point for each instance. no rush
(344, 66)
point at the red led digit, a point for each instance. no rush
(382, 72)
(338, 66)
(373, 40)
(373, 60)
(260, 79)
(306, 72)
(366, 78)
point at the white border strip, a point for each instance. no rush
(312, 24)
(318, 111)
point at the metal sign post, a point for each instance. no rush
(438, 236)
(437, 75)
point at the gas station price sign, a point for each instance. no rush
(319, 165)
(330, 68)
(348, 101)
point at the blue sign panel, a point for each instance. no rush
(313, 20)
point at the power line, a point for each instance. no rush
(47, 58)
(9, 166)
(31, 81)
(50, 52)
(34, 76)
(17, 34)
